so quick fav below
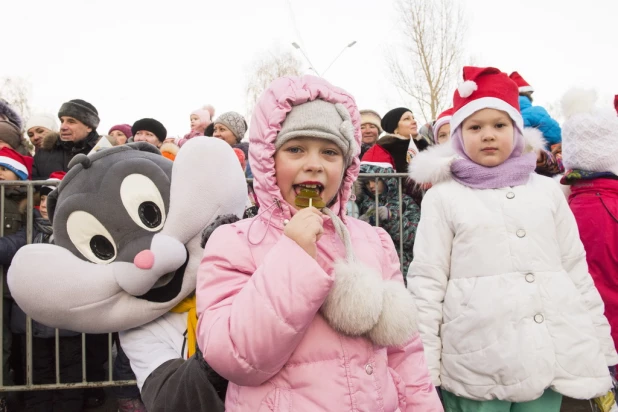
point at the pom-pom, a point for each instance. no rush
(578, 100)
(467, 88)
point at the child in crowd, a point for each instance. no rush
(200, 119)
(509, 315)
(386, 213)
(308, 310)
(590, 142)
(442, 127)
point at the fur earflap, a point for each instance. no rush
(432, 165)
(534, 140)
(397, 323)
(354, 304)
(466, 88)
(578, 100)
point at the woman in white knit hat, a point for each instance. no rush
(39, 126)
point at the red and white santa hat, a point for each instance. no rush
(54, 177)
(16, 163)
(485, 88)
(442, 119)
(377, 156)
(521, 83)
(616, 103)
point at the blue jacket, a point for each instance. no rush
(537, 117)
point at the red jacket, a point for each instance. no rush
(595, 206)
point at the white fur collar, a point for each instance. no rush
(434, 164)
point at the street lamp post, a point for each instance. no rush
(339, 55)
(311, 66)
(296, 46)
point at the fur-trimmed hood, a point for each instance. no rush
(11, 115)
(434, 165)
(49, 141)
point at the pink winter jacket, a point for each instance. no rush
(259, 296)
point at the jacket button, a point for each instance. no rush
(510, 195)
(521, 233)
(369, 369)
(538, 318)
(529, 277)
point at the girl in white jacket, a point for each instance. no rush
(508, 313)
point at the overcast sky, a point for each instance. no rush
(134, 58)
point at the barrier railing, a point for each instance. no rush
(29, 188)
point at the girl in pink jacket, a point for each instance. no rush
(303, 309)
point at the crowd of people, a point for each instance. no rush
(504, 232)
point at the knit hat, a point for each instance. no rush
(10, 114)
(485, 88)
(322, 120)
(42, 120)
(56, 177)
(203, 114)
(589, 133)
(390, 121)
(443, 118)
(150, 125)
(82, 111)
(124, 128)
(235, 122)
(19, 164)
(521, 83)
(241, 158)
(10, 134)
(371, 117)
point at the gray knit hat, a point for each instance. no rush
(82, 111)
(235, 122)
(322, 120)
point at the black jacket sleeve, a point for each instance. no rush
(9, 245)
(179, 385)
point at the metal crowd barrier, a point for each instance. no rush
(29, 385)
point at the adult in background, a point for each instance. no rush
(231, 127)
(370, 129)
(39, 126)
(149, 130)
(78, 134)
(120, 133)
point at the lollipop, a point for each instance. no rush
(309, 196)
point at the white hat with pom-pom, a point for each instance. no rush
(485, 88)
(589, 133)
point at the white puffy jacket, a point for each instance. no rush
(506, 305)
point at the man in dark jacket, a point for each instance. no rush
(78, 123)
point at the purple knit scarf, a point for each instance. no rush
(514, 171)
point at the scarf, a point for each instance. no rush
(188, 305)
(515, 170)
(81, 146)
(43, 230)
(573, 176)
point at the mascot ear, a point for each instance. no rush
(219, 221)
(52, 199)
(143, 147)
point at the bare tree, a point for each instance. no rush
(427, 67)
(267, 68)
(16, 92)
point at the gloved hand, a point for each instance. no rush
(384, 213)
(368, 216)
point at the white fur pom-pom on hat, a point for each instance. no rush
(578, 100)
(534, 140)
(466, 88)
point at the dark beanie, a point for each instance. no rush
(390, 121)
(82, 111)
(150, 125)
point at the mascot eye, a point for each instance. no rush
(143, 202)
(91, 238)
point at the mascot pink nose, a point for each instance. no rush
(144, 259)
